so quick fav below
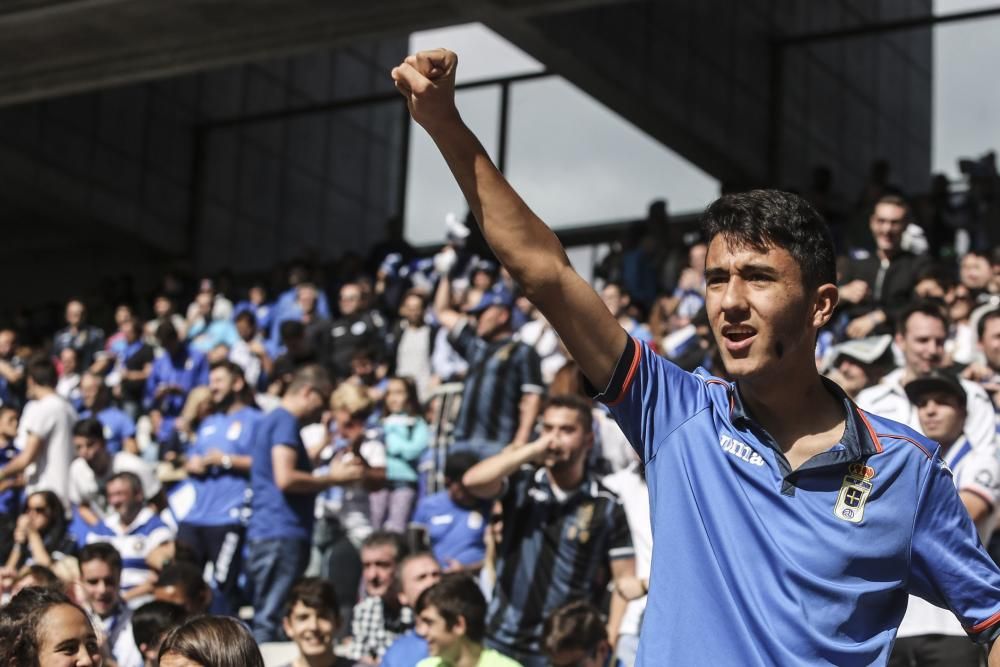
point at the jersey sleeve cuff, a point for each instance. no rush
(987, 631)
(622, 376)
(621, 552)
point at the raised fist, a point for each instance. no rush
(427, 81)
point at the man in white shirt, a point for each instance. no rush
(922, 331)
(930, 635)
(45, 435)
(94, 466)
(629, 485)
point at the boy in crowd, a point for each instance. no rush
(312, 620)
(451, 616)
(101, 575)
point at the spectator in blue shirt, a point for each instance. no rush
(284, 494)
(10, 489)
(119, 429)
(11, 369)
(257, 305)
(176, 371)
(218, 467)
(453, 522)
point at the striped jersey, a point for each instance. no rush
(553, 551)
(134, 542)
(500, 373)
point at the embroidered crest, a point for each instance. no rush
(854, 492)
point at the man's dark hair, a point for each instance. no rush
(42, 372)
(166, 331)
(7, 407)
(103, 552)
(316, 593)
(458, 464)
(989, 315)
(925, 306)
(576, 626)
(939, 273)
(312, 375)
(762, 219)
(381, 538)
(188, 578)
(573, 402)
(233, 368)
(895, 198)
(89, 428)
(291, 329)
(246, 316)
(153, 620)
(457, 595)
(130, 477)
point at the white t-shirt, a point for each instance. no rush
(631, 489)
(86, 487)
(51, 419)
(977, 470)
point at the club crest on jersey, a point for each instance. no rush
(854, 492)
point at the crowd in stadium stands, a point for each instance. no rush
(413, 471)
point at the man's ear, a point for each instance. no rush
(827, 296)
(460, 627)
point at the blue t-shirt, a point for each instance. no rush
(187, 369)
(10, 500)
(117, 426)
(408, 649)
(804, 567)
(455, 533)
(278, 515)
(222, 496)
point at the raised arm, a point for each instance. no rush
(520, 240)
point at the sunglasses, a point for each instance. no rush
(37, 510)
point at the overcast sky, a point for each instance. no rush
(966, 88)
(575, 162)
(571, 158)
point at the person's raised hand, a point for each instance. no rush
(427, 81)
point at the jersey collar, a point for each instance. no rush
(858, 442)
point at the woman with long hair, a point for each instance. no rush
(41, 536)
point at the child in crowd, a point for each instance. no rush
(406, 436)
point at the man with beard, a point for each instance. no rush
(218, 467)
(562, 526)
(284, 495)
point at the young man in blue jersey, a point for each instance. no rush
(218, 467)
(787, 522)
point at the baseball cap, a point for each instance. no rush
(865, 350)
(498, 296)
(935, 381)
